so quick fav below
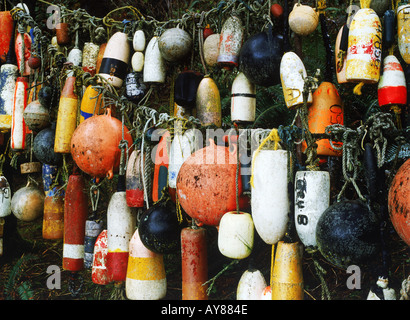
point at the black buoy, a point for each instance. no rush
(43, 146)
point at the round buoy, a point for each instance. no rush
(303, 19)
(27, 203)
(43, 146)
(138, 41)
(175, 44)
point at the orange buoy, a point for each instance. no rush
(134, 181)
(161, 164)
(194, 263)
(63, 33)
(398, 202)
(66, 117)
(99, 157)
(99, 273)
(6, 33)
(100, 56)
(91, 103)
(18, 126)
(208, 102)
(23, 53)
(75, 215)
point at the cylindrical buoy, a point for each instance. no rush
(208, 103)
(312, 196)
(66, 117)
(389, 28)
(303, 19)
(270, 200)
(75, 57)
(134, 181)
(145, 278)
(340, 53)
(18, 126)
(89, 57)
(161, 164)
(292, 75)
(392, 88)
(91, 103)
(27, 203)
(100, 56)
(23, 53)
(398, 202)
(114, 64)
(403, 30)
(251, 285)
(175, 44)
(135, 88)
(287, 275)
(121, 222)
(138, 41)
(75, 215)
(243, 99)
(5, 197)
(210, 49)
(154, 63)
(92, 229)
(63, 33)
(6, 33)
(235, 235)
(194, 258)
(230, 42)
(99, 273)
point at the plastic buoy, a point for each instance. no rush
(398, 202)
(135, 88)
(27, 203)
(134, 181)
(66, 117)
(100, 56)
(99, 274)
(235, 235)
(63, 33)
(251, 285)
(194, 267)
(287, 275)
(43, 146)
(89, 57)
(18, 126)
(340, 53)
(211, 49)
(389, 28)
(303, 19)
(137, 61)
(92, 229)
(185, 88)
(160, 179)
(36, 116)
(208, 103)
(154, 63)
(175, 44)
(243, 99)
(23, 52)
(91, 103)
(403, 30)
(392, 89)
(75, 215)
(138, 41)
(5, 197)
(230, 42)
(6, 33)
(270, 200)
(145, 278)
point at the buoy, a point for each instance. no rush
(99, 273)
(211, 49)
(185, 88)
(36, 116)
(138, 41)
(114, 64)
(398, 202)
(326, 109)
(251, 285)
(91, 103)
(27, 203)
(194, 257)
(23, 53)
(199, 184)
(134, 181)
(292, 75)
(53, 216)
(6, 34)
(135, 88)
(63, 33)
(121, 222)
(347, 233)
(243, 99)
(43, 146)
(175, 44)
(75, 215)
(92, 229)
(145, 278)
(303, 19)
(5, 197)
(100, 56)
(403, 30)
(392, 89)
(75, 56)
(235, 235)
(66, 117)
(340, 53)
(230, 42)
(389, 28)
(312, 196)
(287, 275)
(260, 58)
(159, 228)
(100, 157)
(18, 126)
(137, 61)
(160, 180)
(208, 103)
(363, 60)
(89, 57)
(154, 63)
(207, 31)
(270, 200)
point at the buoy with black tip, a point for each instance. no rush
(99, 274)
(230, 42)
(194, 257)
(208, 103)
(389, 28)
(243, 99)
(18, 125)
(154, 63)
(251, 285)
(135, 88)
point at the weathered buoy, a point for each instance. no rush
(74, 57)
(18, 126)
(154, 63)
(392, 89)
(340, 53)
(66, 117)
(145, 278)
(138, 41)
(43, 146)
(27, 203)
(99, 273)
(5, 197)
(312, 196)
(114, 64)
(287, 275)
(99, 157)
(348, 233)
(235, 235)
(211, 49)
(6, 33)
(243, 99)
(23, 53)
(194, 257)
(92, 229)
(89, 57)
(292, 75)
(403, 30)
(208, 103)
(175, 44)
(185, 88)
(230, 42)
(36, 116)
(137, 61)
(134, 181)
(303, 19)
(251, 285)
(161, 164)
(270, 200)
(135, 88)
(398, 202)
(75, 215)
(63, 33)
(91, 103)
(207, 31)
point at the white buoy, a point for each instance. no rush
(8, 77)
(18, 125)
(138, 41)
(5, 197)
(251, 285)
(154, 63)
(243, 99)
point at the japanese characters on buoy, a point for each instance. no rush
(392, 88)
(99, 273)
(243, 99)
(251, 285)
(18, 126)
(154, 63)
(208, 102)
(230, 42)
(135, 88)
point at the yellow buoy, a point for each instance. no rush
(208, 103)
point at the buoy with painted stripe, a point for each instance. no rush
(154, 63)
(392, 88)
(208, 102)
(236, 235)
(5, 197)
(287, 275)
(36, 116)
(114, 64)
(121, 222)
(75, 215)
(89, 57)
(292, 75)
(403, 30)
(230, 42)
(66, 117)
(23, 53)
(270, 200)
(312, 196)
(18, 126)
(340, 53)
(243, 99)
(251, 285)
(194, 257)
(92, 229)
(134, 181)
(99, 273)
(145, 277)
(91, 103)
(6, 34)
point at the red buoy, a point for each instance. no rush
(99, 273)
(23, 52)
(6, 31)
